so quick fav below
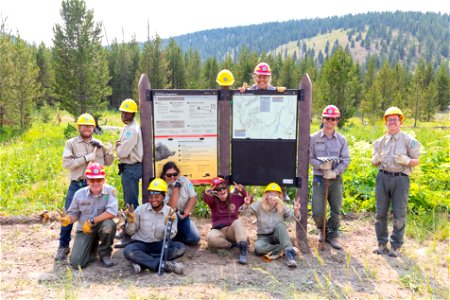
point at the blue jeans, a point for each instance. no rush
(130, 183)
(187, 232)
(148, 254)
(64, 234)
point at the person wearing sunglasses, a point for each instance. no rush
(328, 143)
(227, 230)
(182, 197)
(272, 236)
(147, 225)
(94, 207)
(395, 154)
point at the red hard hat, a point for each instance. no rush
(95, 170)
(263, 69)
(331, 111)
(216, 181)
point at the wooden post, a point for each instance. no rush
(146, 109)
(224, 152)
(304, 127)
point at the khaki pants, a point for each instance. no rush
(222, 238)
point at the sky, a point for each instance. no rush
(122, 19)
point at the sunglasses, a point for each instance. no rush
(220, 188)
(96, 180)
(154, 193)
(331, 119)
(170, 175)
(392, 120)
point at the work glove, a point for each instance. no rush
(87, 227)
(402, 159)
(129, 213)
(97, 144)
(170, 216)
(90, 157)
(329, 174)
(281, 89)
(108, 147)
(326, 165)
(378, 158)
(63, 218)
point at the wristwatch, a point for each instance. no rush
(91, 220)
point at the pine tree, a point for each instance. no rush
(209, 73)
(176, 66)
(46, 76)
(81, 65)
(193, 66)
(153, 62)
(7, 73)
(442, 85)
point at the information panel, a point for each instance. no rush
(185, 131)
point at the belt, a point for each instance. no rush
(393, 173)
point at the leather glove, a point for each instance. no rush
(87, 227)
(97, 144)
(326, 165)
(378, 158)
(63, 218)
(281, 89)
(129, 213)
(90, 157)
(402, 159)
(329, 174)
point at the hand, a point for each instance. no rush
(297, 207)
(402, 159)
(63, 218)
(97, 144)
(326, 165)
(181, 215)
(281, 89)
(238, 187)
(129, 213)
(329, 174)
(90, 157)
(378, 158)
(45, 217)
(177, 184)
(243, 87)
(210, 192)
(87, 227)
(108, 148)
(118, 143)
(248, 200)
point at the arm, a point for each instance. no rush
(125, 146)
(312, 154)
(345, 158)
(173, 200)
(190, 206)
(132, 228)
(69, 160)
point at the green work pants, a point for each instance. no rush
(274, 242)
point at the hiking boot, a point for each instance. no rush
(107, 261)
(121, 235)
(382, 249)
(290, 258)
(394, 252)
(61, 253)
(177, 268)
(243, 252)
(334, 243)
(136, 268)
(123, 242)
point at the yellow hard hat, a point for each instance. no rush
(158, 185)
(393, 111)
(272, 187)
(225, 78)
(86, 119)
(128, 105)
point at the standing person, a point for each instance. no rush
(261, 75)
(328, 143)
(225, 79)
(227, 230)
(78, 152)
(94, 207)
(395, 154)
(147, 227)
(182, 197)
(272, 236)
(130, 151)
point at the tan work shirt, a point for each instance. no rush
(400, 143)
(73, 156)
(131, 149)
(322, 146)
(268, 220)
(85, 205)
(187, 191)
(149, 225)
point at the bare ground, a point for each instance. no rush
(27, 270)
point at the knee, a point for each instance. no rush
(108, 227)
(129, 252)
(399, 223)
(76, 262)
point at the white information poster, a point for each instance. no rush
(186, 133)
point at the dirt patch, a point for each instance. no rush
(27, 270)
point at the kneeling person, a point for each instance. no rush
(94, 207)
(146, 225)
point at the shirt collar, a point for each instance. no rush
(322, 133)
(104, 192)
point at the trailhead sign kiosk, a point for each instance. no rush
(252, 138)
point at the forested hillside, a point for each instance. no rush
(396, 36)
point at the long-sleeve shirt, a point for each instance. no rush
(131, 149)
(73, 156)
(85, 205)
(186, 192)
(221, 214)
(322, 146)
(148, 225)
(398, 144)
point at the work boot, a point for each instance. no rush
(243, 252)
(177, 268)
(136, 268)
(290, 258)
(61, 253)
(334, 243)
(107, 261)
(394, 252)
(123, 242)
(382, 249)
